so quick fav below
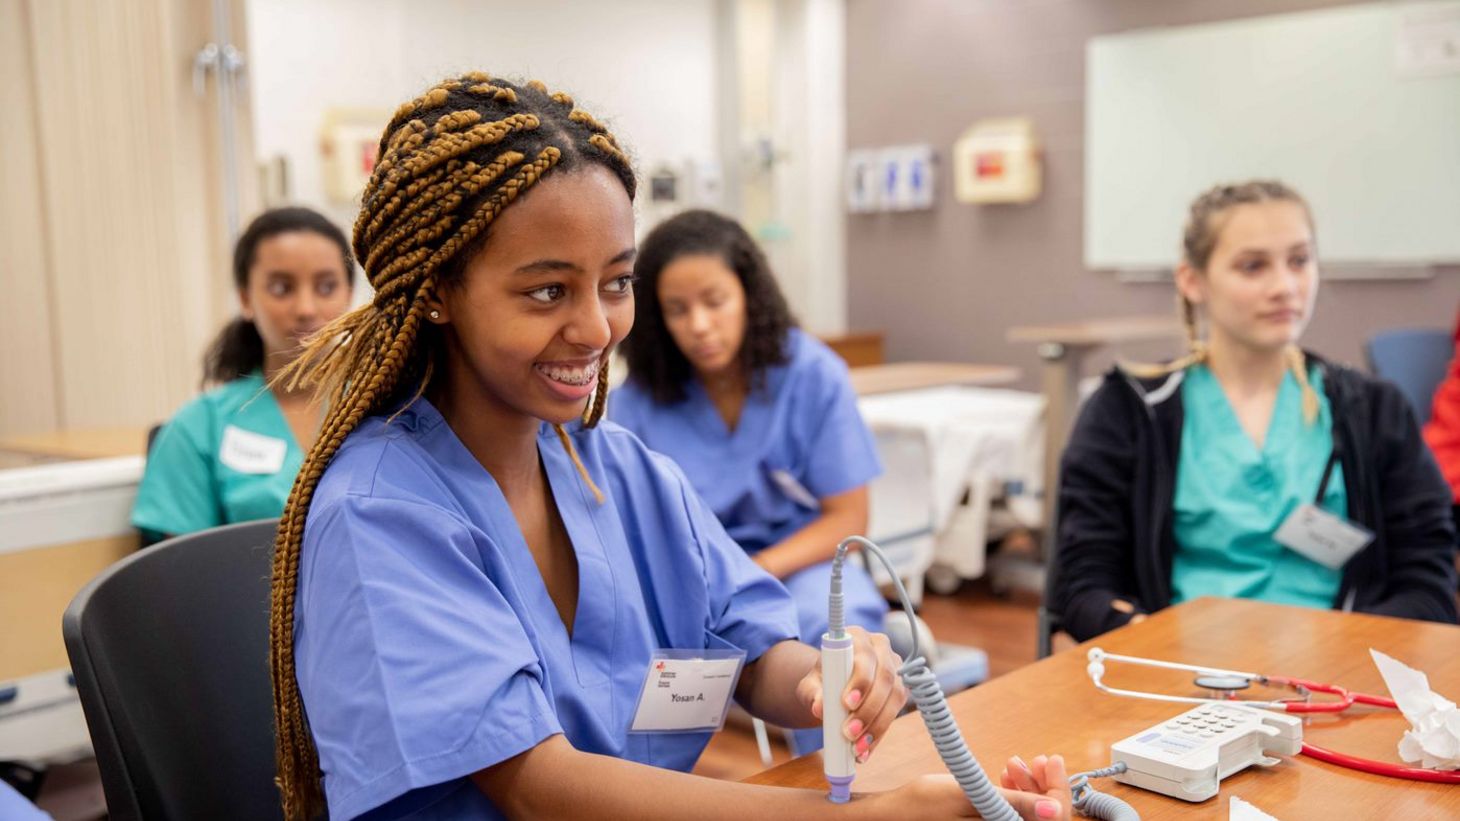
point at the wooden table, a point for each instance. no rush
(1051, 707)
(908, 376)
(857, 348)
(98, 443)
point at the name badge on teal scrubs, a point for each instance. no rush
(687, 691)
(249, 452)
(1319, 535)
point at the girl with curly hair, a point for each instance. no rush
(760, 415)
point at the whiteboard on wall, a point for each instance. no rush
(1355, 107)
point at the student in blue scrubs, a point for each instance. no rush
(760, 415)
(231, 454)
(472, 575)
(1196, 478)
(15, 807)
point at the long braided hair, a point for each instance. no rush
(1204, 224)
(450, 161)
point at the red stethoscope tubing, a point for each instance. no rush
(1345, 699)
(1381, 767)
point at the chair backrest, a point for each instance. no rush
(1415, 360)
(152, 439)
(1047, 621)
(170, 651)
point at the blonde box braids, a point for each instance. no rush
(450, 161)
(1203, 227)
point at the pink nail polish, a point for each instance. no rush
(1046, 809)
(854, 729)
(854, 698)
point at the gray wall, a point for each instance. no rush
(947, 283)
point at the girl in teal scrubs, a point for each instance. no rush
(1249, 468)
(231, 454)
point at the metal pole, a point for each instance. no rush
(230, 63)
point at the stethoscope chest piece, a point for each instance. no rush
(1222, 686)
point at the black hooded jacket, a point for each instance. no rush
(1118, 482)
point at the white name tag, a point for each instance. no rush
(794, 490)
(248, 452)
(1321, 536)
(687, 691)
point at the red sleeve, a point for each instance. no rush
(1442, 432)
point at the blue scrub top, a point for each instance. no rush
(1231, 497)
(15, 807)
(804, 425)
(427, 647)
(227, 456)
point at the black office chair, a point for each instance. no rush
(170, 648)
(1048, 621)
(152, 439)
(148, 538)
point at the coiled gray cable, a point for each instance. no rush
(932, 705)
(1096, 804)
(836, 619)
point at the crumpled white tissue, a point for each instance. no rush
(1239, 810)
(1434, 741)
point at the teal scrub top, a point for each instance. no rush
(1231, 497)
(227, 456)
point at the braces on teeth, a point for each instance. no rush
(571, 376)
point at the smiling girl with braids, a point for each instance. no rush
(1178, 480)
(472, 575)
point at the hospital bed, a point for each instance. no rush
(963, 466)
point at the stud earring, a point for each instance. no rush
(435, 314)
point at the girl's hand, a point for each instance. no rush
(1042, 787)
(939, 796)
(874, 694)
